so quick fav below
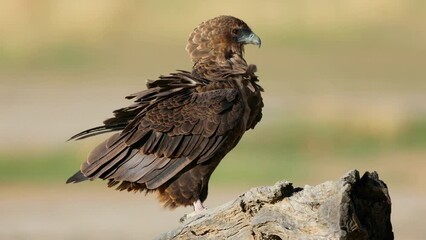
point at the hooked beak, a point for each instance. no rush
(248, 37)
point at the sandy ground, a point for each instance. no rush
(95, 212)
(87, 212)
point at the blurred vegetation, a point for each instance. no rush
(345, 80)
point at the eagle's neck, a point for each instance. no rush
(222, 63)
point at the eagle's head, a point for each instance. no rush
(220, 39)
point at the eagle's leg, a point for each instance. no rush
(198, 206)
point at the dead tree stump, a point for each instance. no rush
(351, 208)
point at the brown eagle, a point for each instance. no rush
(178, 130)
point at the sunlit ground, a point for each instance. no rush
(344, 89)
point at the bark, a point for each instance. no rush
(350, 208)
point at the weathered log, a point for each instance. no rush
(351, 208)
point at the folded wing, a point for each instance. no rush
(178, 121)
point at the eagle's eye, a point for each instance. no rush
(235, 31)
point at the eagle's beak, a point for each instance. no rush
(248, 37)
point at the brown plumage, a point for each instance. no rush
(179, 129)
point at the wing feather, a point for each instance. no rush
(173, 145)
(165, 141)
(138, 135)
(165, 173)
(185, 141)
(103, 149)
(112, 166)
(196, 150)
(180, 119)
(151, 146)
(94, 164)
(145, 164)
(218, 143)
(125, 169)
(191, 145)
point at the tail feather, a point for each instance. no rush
(77, 177)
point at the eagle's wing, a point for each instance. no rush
(179, 121)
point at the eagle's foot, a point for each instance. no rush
(198, 206)
(198, 212)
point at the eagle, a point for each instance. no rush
(171, 139)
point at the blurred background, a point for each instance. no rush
(344, 88)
